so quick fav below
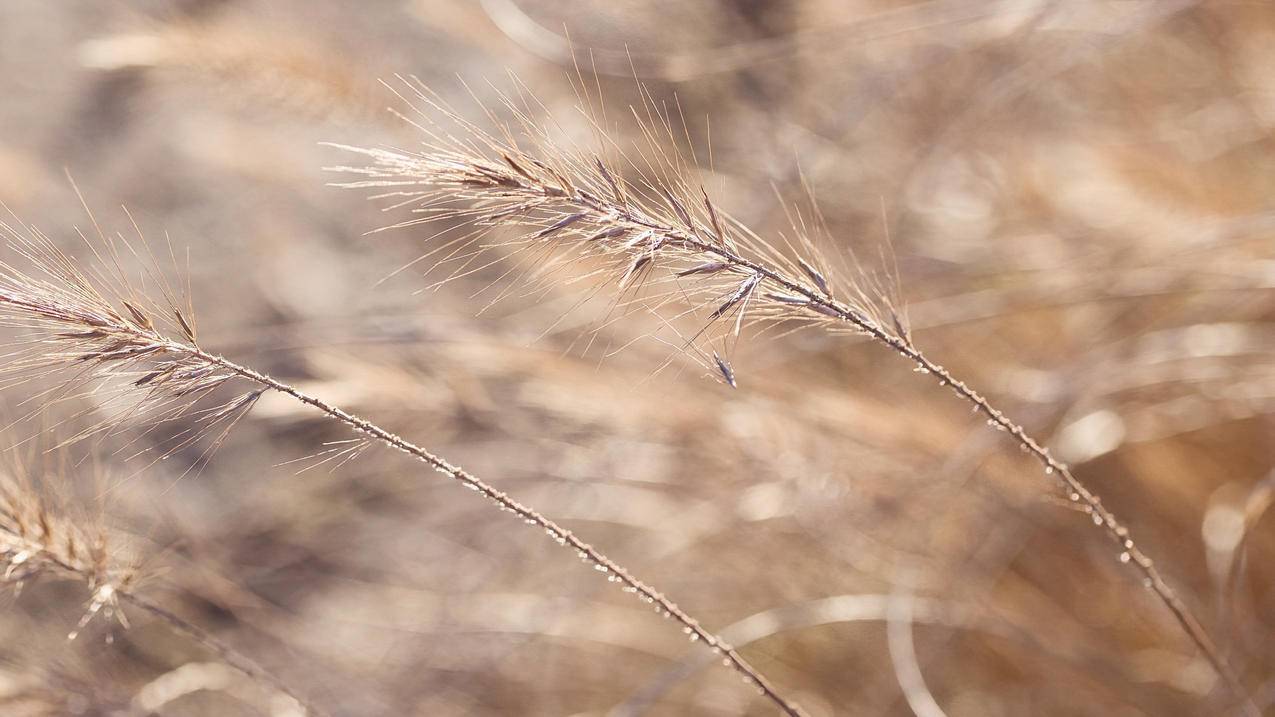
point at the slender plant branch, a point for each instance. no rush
(227, 654)
(73, 323)
(1077, 491)
(52, 549)
(586, 552)
(570, 204)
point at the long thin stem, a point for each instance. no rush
(572, 202)
(561, 535)
(76, 324)
(226, 653)
(1077, 491)
(114, 592)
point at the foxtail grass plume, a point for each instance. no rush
(70, 323)
(571, 214)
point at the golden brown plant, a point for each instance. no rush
(1080, 197)
(71, 322)
(250, 65)
(572, 209)
(39, 536)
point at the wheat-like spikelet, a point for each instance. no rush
(573, 210)
(38, 536)
(661, 242)
(69, 321)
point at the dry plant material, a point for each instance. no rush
(38, 536)
(574, 214)
(69, 321)
(570, 209)
(251, 65)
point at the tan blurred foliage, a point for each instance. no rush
(1079, 197)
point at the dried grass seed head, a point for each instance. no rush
(568, 214)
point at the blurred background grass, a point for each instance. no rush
(1079, 195)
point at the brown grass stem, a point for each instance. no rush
(561, 535)
(34, 539)
(74, 323)
(1077, 491)
(572, 210)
